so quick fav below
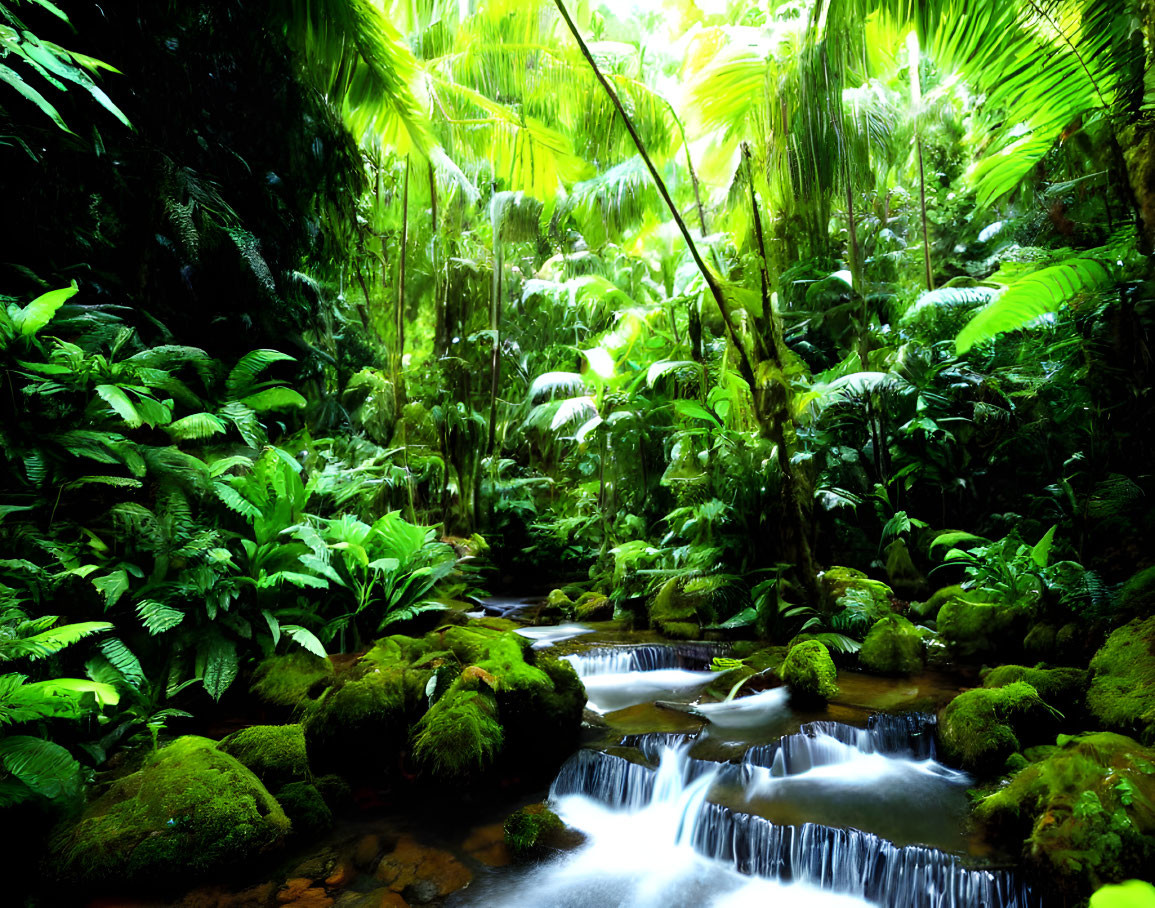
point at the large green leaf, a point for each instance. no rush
(39, 312)
(46, 768)
(218, 666)
(1032, 296)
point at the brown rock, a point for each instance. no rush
(425, 873)
(367, 851)
(219, 897)
(301, 893)
(378, 898)
(487, 845)
(342, 874)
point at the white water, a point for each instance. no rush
(610, 692)
(642, 856)
(747, 712)
(548, 636)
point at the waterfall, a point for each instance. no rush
(850, 862)
(604, 660)
(828, 743)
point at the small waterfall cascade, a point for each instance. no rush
(829, 743)
(606, 660)
(859, 865)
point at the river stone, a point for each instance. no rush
(192, 811)
(421, 873)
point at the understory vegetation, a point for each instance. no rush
(811, 323)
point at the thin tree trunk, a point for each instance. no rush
(399, 344)
(925, 228)
(495, 327)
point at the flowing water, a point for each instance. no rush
(830, 814)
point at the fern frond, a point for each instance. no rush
(244, 374)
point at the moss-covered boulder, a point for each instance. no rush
(673, 610)
(306, 808)
(976, 631)
(1122, 692)
(1062, 688)
(1085, 813)
(593, 606)
(836, 582)
(980, 728)
(1137, 598)
(929, 609)
(460, 736)
(291, 680)
(191, 811)
(810, 674)
(893, 647)
(275, 753)
(904, 578)
(528, 830)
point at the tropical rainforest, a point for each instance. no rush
(476, 452)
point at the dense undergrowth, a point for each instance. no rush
(320, 319)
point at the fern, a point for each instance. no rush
(1032, 296)
(243, 375)
(158, 617)
(124, 661)
(49, 642)
(43, 769)
(304, 638)
(217, 665)
(196, 426)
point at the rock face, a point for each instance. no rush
(980, 728)
(1085, 813)
(1122, 692)
(893, 647)
(190, 811)
(810, 674)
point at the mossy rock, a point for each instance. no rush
(275, 753)
(306, 808)
(528, 830)
(593, 606)
(979, 631)
(893, 647)
(559, 601)
(809, 672)
(674, 612)
(359, 725)
(191, 812)
(1085, 813)
(929, 609)
(836, 582)
(1137, 597)
(1129, 894)
(1122, 692)
(460, 737)
(1040, 640)
(904, 578)
(980, 728)
(291, 680)
(1062, 688)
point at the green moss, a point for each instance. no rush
(359, 724)
(1122, 692)
(335, 791)
(674, 612)
(396, 650)
(557, 599)
(526, 830)
(1063, 688)
(191, 811)
(275, 753)
(980, 728)
(975, 630)
(1130, 894)
(1085, 814)
(838, 581)
(809, 672)
(291, 680)
(472, 645)
(1137, 598)
(460, 736)
(892, 647)
(593, 606)
(930, 608)
(1040, 640)
(303, 804)
(904, 578)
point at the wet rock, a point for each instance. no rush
(980, 728)
(421, 873)
(487, 845)
(810, 674)
(528, 831)
(342, 874)
(1122, 692)
(378, 898)
(276, 753)
(301, 893)
(220, 897)
(191, 811)
(593, 606)
(893, 647)
(367, 850)
(1084, 812)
